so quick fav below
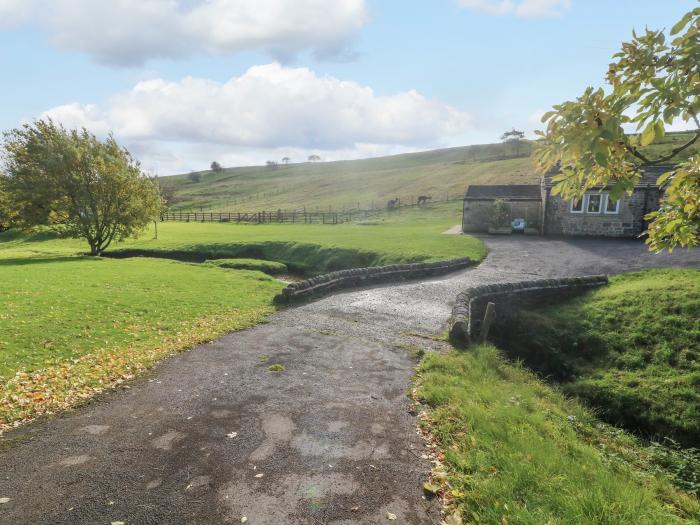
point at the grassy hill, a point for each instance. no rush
(345, 184)
(365, 183)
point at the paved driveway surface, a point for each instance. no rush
(212, 436)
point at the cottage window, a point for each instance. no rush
(611, 206)
(576, 206)
(594, 203)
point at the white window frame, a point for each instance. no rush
(605, 207)
(588, 201)
(581, 202)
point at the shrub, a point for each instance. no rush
(269, 267)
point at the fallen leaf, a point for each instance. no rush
(259, 475)
(118, 523)
(390, 516)
(4, 500)
(244, 520)
(454, 519)
(355, 509)
(231, 435)
(429, 487)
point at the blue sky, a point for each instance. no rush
(184, 82)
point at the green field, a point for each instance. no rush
(517, 451)
(366, 183)
(631, 350)
(411, 235)
(72, 325)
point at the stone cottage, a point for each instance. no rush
(596, 214)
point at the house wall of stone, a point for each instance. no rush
(629, 222)
(477, 214)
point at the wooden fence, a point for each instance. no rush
(263, 217)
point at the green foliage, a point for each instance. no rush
(276, 368)
(8, 214)
(77, 185)
(500, 214)
(260, 265)
(655, 82)
(630, 349)
(517, 451)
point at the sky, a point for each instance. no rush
(182, 83)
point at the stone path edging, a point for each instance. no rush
(323, 284)
(471, 303)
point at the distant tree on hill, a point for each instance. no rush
(216, 167)
(77, 185)
(194, 176)
(286, 160)
(514, 138)
(271, 164)
(314, 158)
(654, 83)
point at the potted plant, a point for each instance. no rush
(500, 218)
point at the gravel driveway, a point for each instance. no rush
(213, 436)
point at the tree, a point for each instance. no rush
(513, 137)
(654, 82)
(286, 160)
(216, 167)
(194, 176)
(77, 185)
(271, 164)
(314, 158)
(8, 213)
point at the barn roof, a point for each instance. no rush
(504, 191)
(649, 175)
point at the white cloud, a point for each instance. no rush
(522, 8)
(267, 108)
(130, 32)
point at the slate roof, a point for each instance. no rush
(504, 191)
(649, 175)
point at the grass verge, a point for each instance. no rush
(631, 350)
(516, 451)
(73, 326)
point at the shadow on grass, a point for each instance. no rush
(23, 261)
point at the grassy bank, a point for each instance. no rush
(517, 451)
(631, 350)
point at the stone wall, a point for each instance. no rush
(326, 283)
(629, 222)
(478, 213)
(470, 306)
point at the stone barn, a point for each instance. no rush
(595, 215)
(524, 201)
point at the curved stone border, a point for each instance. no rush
(470, 307)
(355, 277)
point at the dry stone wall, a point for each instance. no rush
(355, 277)
(470, 307)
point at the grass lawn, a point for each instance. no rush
(411, 235)
(631, 350)
(72, 325)
(517, 451)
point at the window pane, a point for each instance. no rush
(576, 206)
(611, 206)
(594, 203)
